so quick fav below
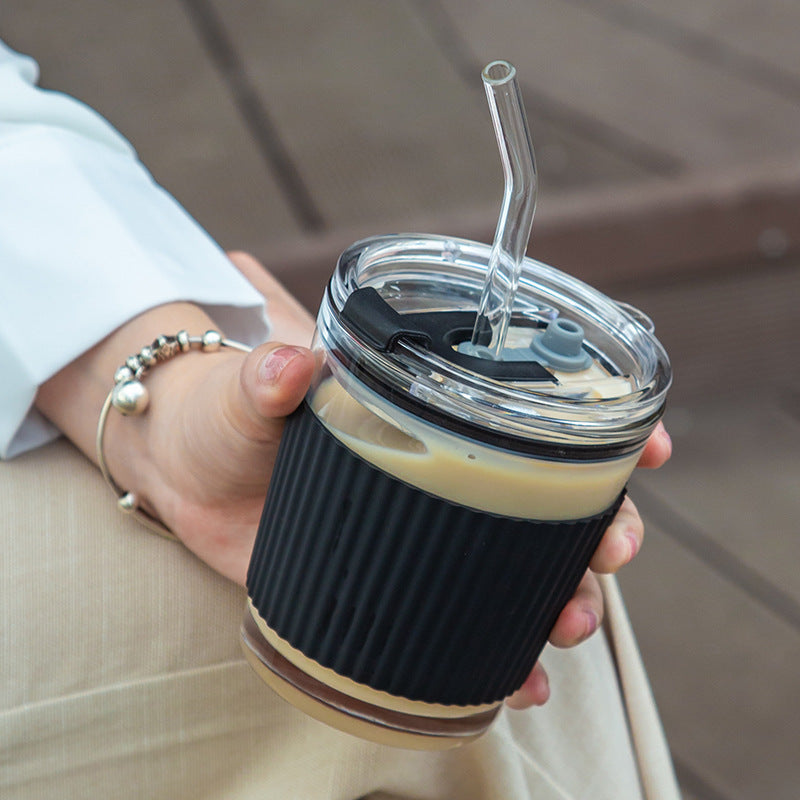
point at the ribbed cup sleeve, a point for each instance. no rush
(403, 591)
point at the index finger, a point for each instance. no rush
(657, 450)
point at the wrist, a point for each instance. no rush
(147, 449)
(73, 397)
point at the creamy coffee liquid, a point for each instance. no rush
(593, 383)
(464, 471)
(589, 384)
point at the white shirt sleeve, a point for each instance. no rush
(87, 241)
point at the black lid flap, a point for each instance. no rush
(374, 321)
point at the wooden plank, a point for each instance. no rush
(723, 670)
(569, 159)
(376, 119)
(621, 238)
(734, 476)
(646, 89)
(381, 123)
(142, 66)
(601, 141)
(704, 220)
(729, 335)
(759, 39)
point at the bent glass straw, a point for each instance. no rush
(519, 202)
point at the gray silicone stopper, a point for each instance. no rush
(561, 346)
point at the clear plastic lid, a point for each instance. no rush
(600, 400)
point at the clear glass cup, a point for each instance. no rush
(432, 509)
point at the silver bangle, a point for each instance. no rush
(130, 397)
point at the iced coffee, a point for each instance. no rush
(433, 509)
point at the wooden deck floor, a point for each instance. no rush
(668, 143)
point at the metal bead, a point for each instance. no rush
(212, 341)
(130, 397)
(128, 503)
(159, 344)
(133, 363)
(170, 349)
(124, 373)
(183, 341)
(147, 356)
(165, 347)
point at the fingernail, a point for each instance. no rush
(633, 545)
(546, 681)
(665, 436)
(591, 623)
(273, 364)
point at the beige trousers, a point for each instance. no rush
(121, 677)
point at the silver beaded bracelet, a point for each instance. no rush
(130, 397)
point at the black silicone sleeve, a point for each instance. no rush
(403, 591)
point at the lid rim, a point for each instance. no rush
(504, 440)
(424, 272)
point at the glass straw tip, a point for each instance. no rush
(498, 72)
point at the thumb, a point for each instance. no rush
(273, 380)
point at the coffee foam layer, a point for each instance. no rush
(464, 471)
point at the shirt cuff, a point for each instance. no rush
(88, 242)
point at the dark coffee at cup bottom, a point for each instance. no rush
(355, 708)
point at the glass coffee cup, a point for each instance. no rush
(432, 509)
